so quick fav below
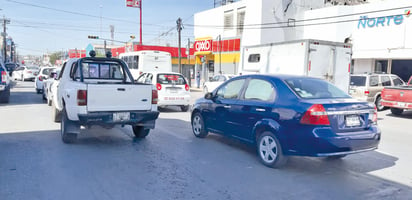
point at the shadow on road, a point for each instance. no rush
(407, 114)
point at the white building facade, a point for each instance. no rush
(380, 31)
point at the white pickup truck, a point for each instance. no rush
(102, 91)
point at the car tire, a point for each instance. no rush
(49, 102)
(270, 151)
(184, 108)
(378, 104)
(396, 111)
(198, 126)
(205, 90)
(5, 96)
(56, 113)
(67, 137)
(140, 131)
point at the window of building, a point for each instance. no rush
(254, 58)
(240, 20)
(381, 66)
(228, 20)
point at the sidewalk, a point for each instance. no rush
(195, 89)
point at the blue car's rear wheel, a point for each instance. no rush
(270, 150)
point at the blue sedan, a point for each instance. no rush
(287, 115)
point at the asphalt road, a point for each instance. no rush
(172, 164)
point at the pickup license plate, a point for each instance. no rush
(352, 120)
(121, 116)
(401, 104)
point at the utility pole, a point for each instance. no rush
(188, 61)
(220, 54)
(179, 30)
(4, 34)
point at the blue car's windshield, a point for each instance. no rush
(310, 88)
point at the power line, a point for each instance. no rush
(304, 20)
(77, 13)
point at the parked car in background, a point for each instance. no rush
(173, 89)
(398, 98)
(11, 67)
(4, 84)
(368, 87)
(25, 73)
(48, 85)
(286, 115)
(215, 81)
(43, 74)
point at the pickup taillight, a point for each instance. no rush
(366, 92)
(82, 97)
(3, 76)
(155, 97)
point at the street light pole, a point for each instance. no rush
(220, 54)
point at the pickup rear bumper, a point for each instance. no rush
(141, 118)
(396, 104)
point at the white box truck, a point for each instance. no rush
(323, 59)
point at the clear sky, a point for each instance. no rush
(39, 26)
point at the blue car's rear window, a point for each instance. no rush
(310, 88)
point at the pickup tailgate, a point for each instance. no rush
(399, 94)
(118, 97)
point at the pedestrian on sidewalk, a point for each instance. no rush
(198, 79)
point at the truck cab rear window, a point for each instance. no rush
(92, 70)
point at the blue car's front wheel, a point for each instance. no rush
(198, 126)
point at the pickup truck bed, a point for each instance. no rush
(398, 98)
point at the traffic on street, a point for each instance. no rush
(222, 99)
(171, 163)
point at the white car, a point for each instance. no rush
(25, 73)
(214, 82)
(43, 74)
(173, 88)
(48, 84)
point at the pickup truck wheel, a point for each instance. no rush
(140, 131)
(56, 114)
(396, 111)
(378, 104)
(67, 137)
(198, 126)
(184, 108)
(5, 96)
(49, 102)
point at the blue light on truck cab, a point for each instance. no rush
(365, 22)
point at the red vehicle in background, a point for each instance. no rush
(398, 98)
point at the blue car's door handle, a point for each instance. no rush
(226, 106)
(260, 110)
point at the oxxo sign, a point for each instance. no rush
(365, 22)
(203, 45)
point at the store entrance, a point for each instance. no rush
(402, 68)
